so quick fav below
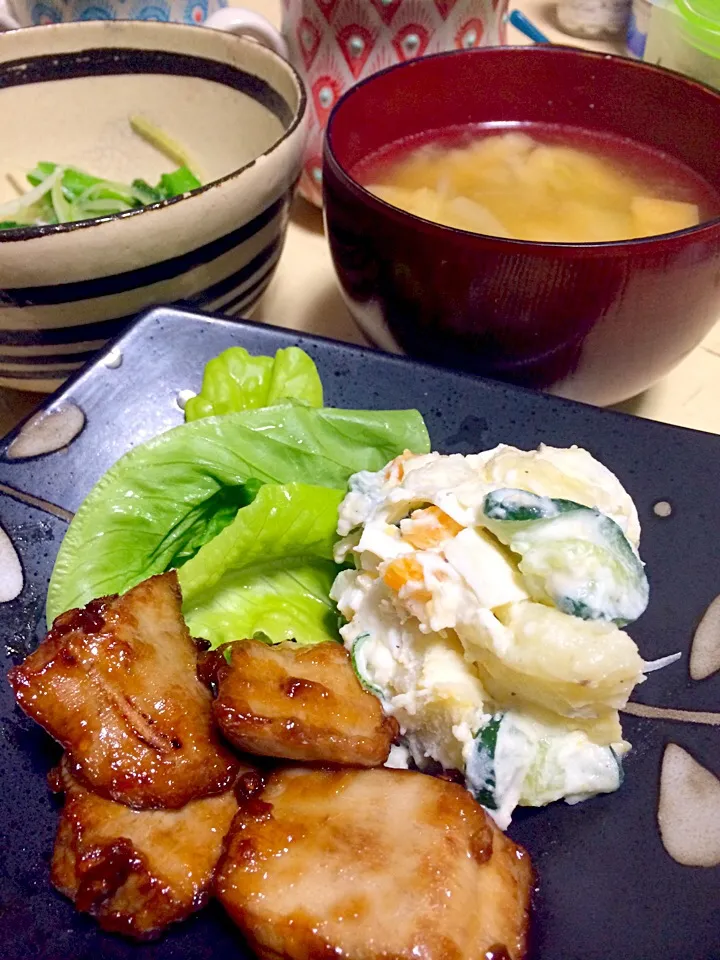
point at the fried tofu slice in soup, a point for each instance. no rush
(116, 684)
(373, 864)
(300, 703)
(136, 871)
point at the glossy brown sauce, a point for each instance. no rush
(89, 619)
(248, 785)
(115, 864)
(297, 687)
(210, 663)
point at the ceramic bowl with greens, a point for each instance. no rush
(159, 169)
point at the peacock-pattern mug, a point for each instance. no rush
(335, 43)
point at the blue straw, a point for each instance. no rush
(526, 27)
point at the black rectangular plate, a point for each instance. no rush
(607, 889)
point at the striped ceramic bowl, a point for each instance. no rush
(66, 94)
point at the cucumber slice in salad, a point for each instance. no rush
(572, 556)
(572, 768)
(517, 761)
(480, 768)
(358, 658)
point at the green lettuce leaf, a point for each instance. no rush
(210, 518)
(269, 571)
(283, 601)
(236, 381)
(153, 509)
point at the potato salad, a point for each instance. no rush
(484, 606)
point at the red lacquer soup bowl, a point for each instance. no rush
(597, 321)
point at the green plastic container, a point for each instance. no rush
(684, 35)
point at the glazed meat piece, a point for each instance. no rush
(116, 685)
(136, 871)
(372, 864)
(301, 703)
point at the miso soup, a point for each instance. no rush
(543, 183)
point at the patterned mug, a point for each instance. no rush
(33, 13)
(335, 43)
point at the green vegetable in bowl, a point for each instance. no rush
(162, 141)
(65, 194)
(175, 184)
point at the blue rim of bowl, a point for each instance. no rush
(18, 234)
(539, 49)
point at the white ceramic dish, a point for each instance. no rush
(66, 94)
